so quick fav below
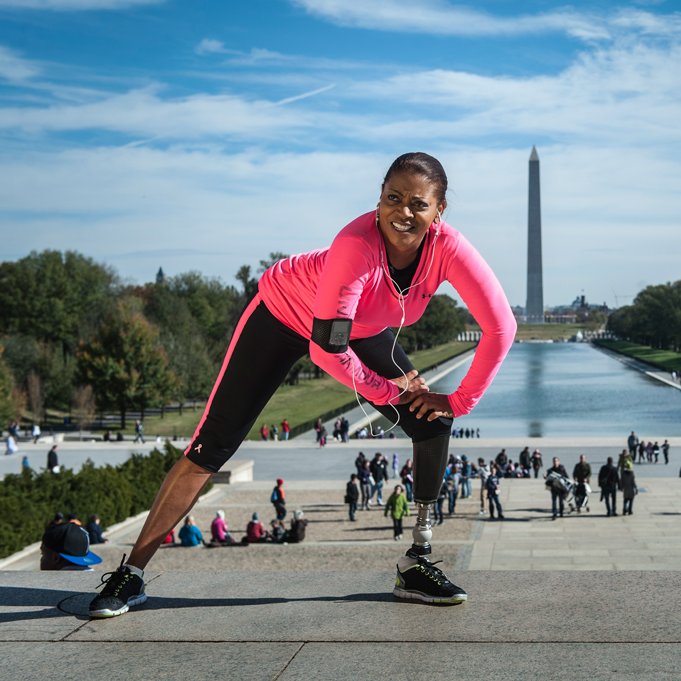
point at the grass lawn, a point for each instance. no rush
(662, 359)
(299, 403)
(548, 331)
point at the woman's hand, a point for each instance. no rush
(413, 383)
(433, 404)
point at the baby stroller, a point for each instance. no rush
(581, 495)
(565, 486)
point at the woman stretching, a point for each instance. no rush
(339, 304)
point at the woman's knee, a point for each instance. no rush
(422, 429)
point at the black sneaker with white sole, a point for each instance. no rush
(420, 580)
(122, 590)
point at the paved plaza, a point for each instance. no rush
(583, 597)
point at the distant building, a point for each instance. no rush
(160, 276)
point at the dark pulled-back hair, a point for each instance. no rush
(420, 163)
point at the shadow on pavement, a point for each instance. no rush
(76, 604)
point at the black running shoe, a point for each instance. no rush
(122, 590)
(422, 581)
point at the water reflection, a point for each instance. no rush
(570, 389)
(534, 380)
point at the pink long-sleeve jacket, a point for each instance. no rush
(351, 280)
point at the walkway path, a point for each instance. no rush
(602, 601)
(650, 539)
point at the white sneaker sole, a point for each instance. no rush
(105, 612)
(418, 596)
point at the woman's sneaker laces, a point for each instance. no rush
(420, 580)
(122, 590)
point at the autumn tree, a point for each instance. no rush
(125, 363)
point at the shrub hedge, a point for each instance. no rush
(28, 501)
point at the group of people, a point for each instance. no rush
(611, 479)
(460, 433)
(649, 451)
(272, 432)
(191, 535)
(255, 532)
(341, 430)
(369, 479)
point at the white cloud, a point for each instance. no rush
(441, 18)
(213, 210)
(75, 5)
(606, 129)
(258, 57)
(15, 68)
(647, 23)
(211, 46)
(145, 112)
(627, 93)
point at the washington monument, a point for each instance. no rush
(534, 308)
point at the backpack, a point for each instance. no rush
(275, 495)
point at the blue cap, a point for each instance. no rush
(72, 543)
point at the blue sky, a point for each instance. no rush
(203, 134)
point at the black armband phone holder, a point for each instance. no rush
(332, 335)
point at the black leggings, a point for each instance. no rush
(260, 355)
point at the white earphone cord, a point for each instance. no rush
(400, 300)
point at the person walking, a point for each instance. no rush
(340, 305)
(665, 451)
(492, 488)
(525, 460)
(439, 504)
(379, 472)
(608, 481)
(139, 432)
(53, 460)
(483, 473)
(537, 463)
(366, 483)
(582, 476)
(452, 482)
(629, 491)
(285, 430)
(398, 508)
(624, 462)
(278, 499)
(554, 479)
(352, 495)
(407, 475)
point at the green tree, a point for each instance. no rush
(440, 323)
(8, 404)
(54, 297)
(243, 276)
(125, 363)
(653, 319)
(276, 256)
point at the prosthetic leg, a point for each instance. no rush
(418, 578)
(430, 461)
